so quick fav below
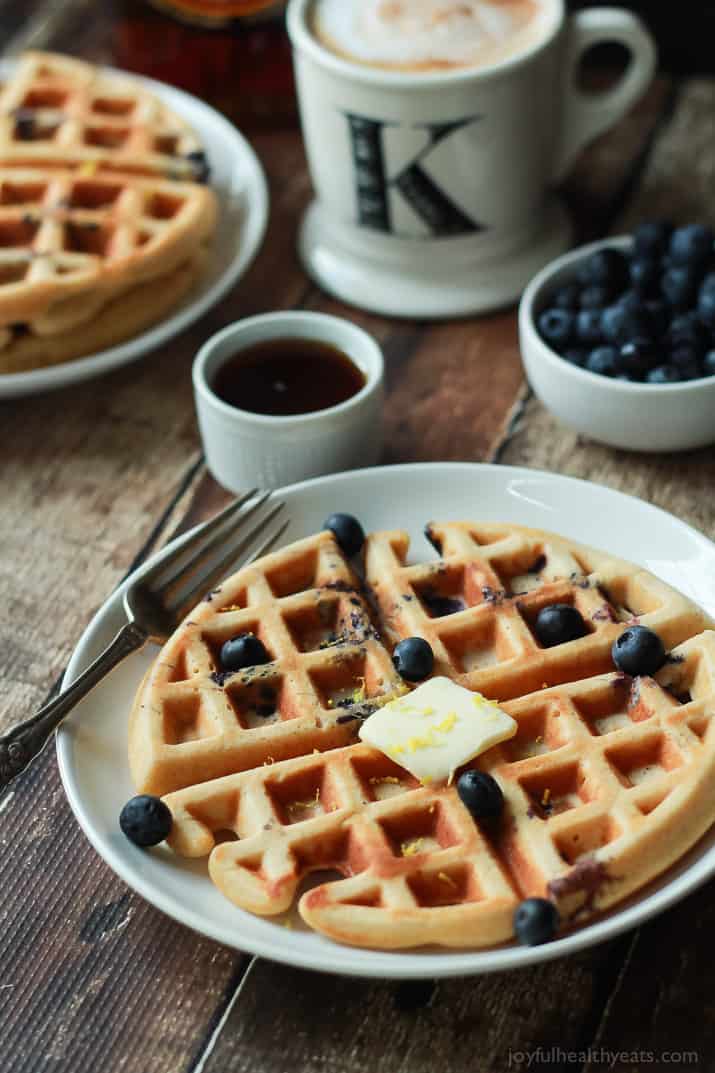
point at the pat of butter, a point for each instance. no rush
(437, 728)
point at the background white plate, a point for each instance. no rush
(239, 182)
(91, 746)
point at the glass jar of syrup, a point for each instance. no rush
(233, 54)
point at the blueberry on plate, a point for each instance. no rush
(637, 357)
(558, 623)
(663, 374)
(606, 266)
(709, 363)
(245, 650)
(556, 327)
(481, 794)
(575, 355)
(588, 327)
(567, 297)
(638, 651)
(596, 296)
(651, 238)
(603, 360)
(413, 659)
(145, 820)
(679, 286)
(536, 921)
(347, 531)
(691, 244)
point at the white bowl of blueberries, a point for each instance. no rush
(618, 338)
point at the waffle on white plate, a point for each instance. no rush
(608, 781)
(59, 111)
(97, 198)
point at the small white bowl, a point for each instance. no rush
(245, 450)
(637, 417)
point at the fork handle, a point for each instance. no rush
(23, 742)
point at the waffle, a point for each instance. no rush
(192, 722)
(123, 317)
(607, 782)
(58, 111)
(477, 604)
(629, 767)
(70, 242)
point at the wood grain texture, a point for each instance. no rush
(92, 479)
(305, 1022)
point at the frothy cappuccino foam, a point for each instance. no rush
(429, 34)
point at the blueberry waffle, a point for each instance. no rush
(607, 781)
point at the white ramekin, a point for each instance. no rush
(245, 450)
(637, 417)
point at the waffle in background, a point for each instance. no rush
(97, 199)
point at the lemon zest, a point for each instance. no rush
(411, 847)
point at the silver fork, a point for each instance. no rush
(157, 600)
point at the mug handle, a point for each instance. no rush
(590, 114)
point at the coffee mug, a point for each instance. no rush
(433, 187)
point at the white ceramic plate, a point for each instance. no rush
(239, 182)
(92, 749)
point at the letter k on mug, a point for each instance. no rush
(435, 131)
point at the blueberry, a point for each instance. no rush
(709, 363)
(645, 276)
(612, 320)
(606, 266)
(636, 323)
(246, 650)
(596, 296)
(603, 361)
(637, 357)
(658, 316)
(638, 651)
(588, 326)
(685, 356)
(575, 356)
(481, 794)
(708, 283)
(651, 238)
(663, 374)
(347, 531)
(556, 327)
(536, 921)
(145, 820)
(691, 244)
(631, 301)
(567, 297)
(679, 285)
(706, 307)
(688, 328)
(413, 659)
(558, 623)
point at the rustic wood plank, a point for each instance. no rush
(95, 976)
(662, 1003)
(319, 1022)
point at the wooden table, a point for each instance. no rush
(94, 479)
